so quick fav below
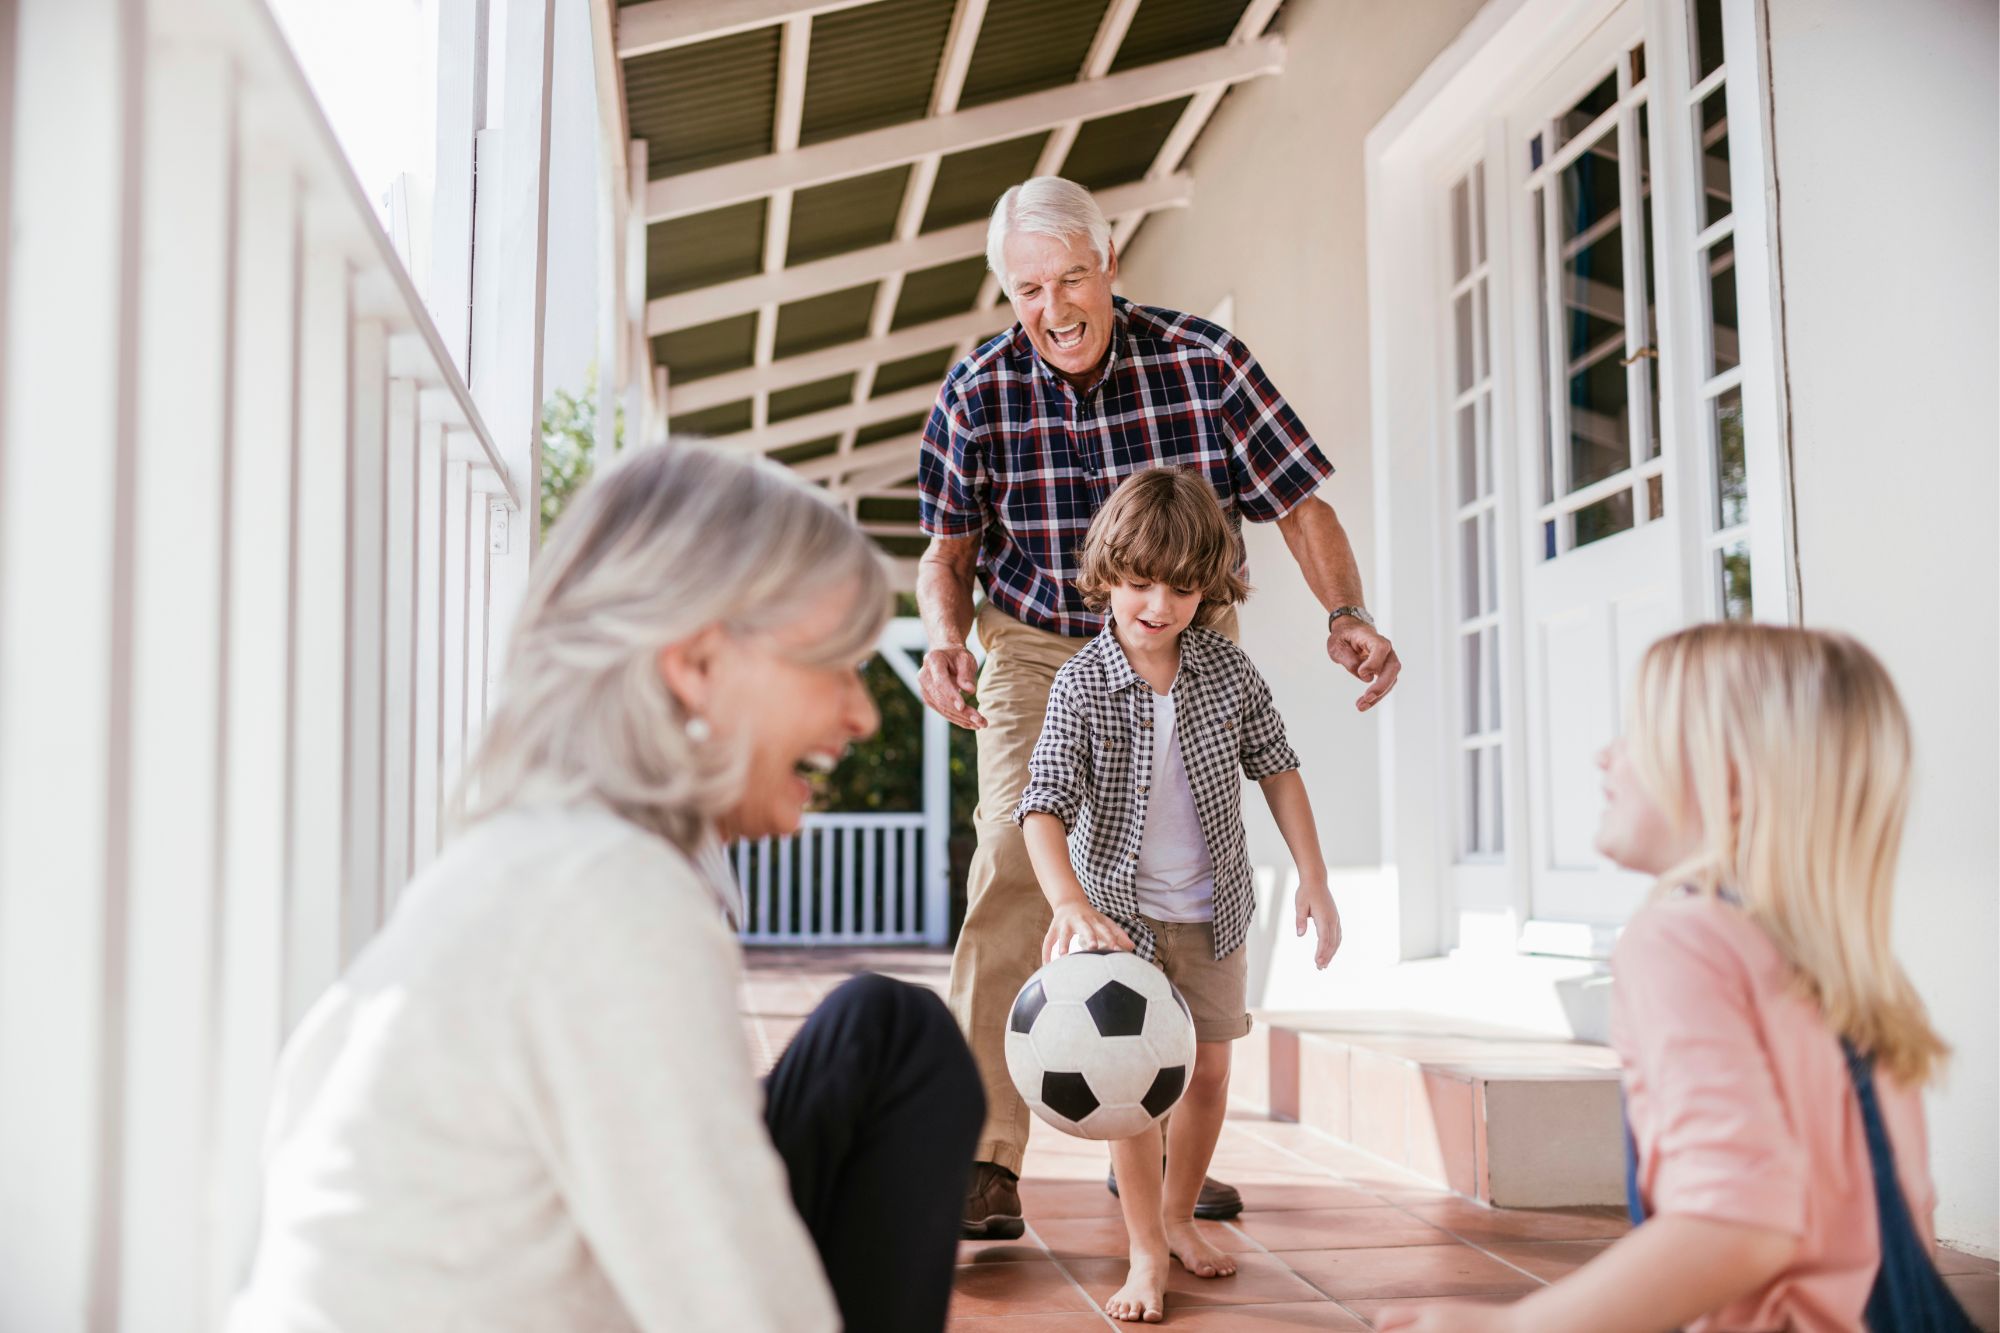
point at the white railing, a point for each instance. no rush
(842, 879)
(256, 544)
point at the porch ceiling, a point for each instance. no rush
(818, 173)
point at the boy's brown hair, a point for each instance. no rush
(1163, 525)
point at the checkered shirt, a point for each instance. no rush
(1013, 455)
(1092, 764)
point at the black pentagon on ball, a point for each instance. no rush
(1117, 1009)
(1166, 1090)
(1026, 1005)
(1068, 1095)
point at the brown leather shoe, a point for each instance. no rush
(1217, 1202)
(992, 1205)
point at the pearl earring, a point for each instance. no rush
(698, 729)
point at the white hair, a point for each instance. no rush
(1045, 206)
(665, 543)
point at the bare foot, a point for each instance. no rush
(1144, 1295)
(1186, 1243)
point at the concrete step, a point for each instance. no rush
(1510, 1118)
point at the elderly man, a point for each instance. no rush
(1030, 435)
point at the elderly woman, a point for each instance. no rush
(529, 1104)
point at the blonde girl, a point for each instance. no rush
(1774, 1049)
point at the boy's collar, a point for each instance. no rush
(1118, 670)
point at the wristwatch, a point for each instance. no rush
(1360, 613)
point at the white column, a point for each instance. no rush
(452, 693)
(255, 894)
(66, 423)
(937, 826)
(639, 352)
(178, 525)
(399, 622)
(367, 613)
(426, 691)
(461, 112)
(319, 642)
(512, 225)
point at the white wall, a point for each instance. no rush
(1279, 224)
(1884, 133)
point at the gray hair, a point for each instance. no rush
(663, 544)
(1045, 206)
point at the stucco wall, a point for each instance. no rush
(1279, 224)
(1884, 133)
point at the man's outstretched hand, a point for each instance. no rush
(946, 677)
(1367, 656)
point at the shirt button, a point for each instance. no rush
(1142, 789)
(1229, 726)
(1146, 722)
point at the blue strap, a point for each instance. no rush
(1908, 1296)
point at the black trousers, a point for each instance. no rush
(876, 1107)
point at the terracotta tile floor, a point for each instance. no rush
(1329, 1239)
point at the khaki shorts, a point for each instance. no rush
(1216, 989)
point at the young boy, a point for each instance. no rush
(1133, 820)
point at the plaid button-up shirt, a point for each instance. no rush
(1091, 767)
(1012, 454)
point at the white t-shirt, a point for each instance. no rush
(528, 1106)
(1175, 880)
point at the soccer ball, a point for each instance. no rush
(1100, 1044)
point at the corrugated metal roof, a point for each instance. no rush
(1115, 150)
(968, 183)
(707, 349)
(724, 420)
(889, 430)
(799, 453)
(1163, 29)
(814, 397)
(933, 293)
(1027, 45)
(821, 321)
(715, 246)
(845, 215)
(873, 65)
(926, 368)
(706, 104)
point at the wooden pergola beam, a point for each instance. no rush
(859, 154)
(833, 421)
(723, 300)
(662, 25)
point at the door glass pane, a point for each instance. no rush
(1607, 518)
(1722, 305)
(1471, 714)
(1472, 812)
(1492, 651)
(1537, 205)
(1461, 241)
(1486, 444)
(1461, 318)
(1468, 454)
(1705, 37)
(1649, 350)
(1732, 480)
(1488, 523)
(1712, 122)
(1733, 571)
(1497, 833)
(1594, 313)
(1468, 573)
(1656, 497)
(1592, 105)
(1479, 330)
(1479, 213)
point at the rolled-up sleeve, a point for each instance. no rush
(1059, 767)
(1707, 1118)
(1262, 746)
(951, 471)
(1275, 464)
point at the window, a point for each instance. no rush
(1588, 185)
(1726, 541)
(1475, 514)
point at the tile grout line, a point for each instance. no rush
(1469, 1244)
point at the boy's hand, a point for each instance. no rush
(1315, 904)
(1081, 921)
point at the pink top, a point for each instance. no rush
(1742, 1110)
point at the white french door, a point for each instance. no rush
(1601, 575)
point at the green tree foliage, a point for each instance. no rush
(569, 439)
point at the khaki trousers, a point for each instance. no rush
(1006, 916)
